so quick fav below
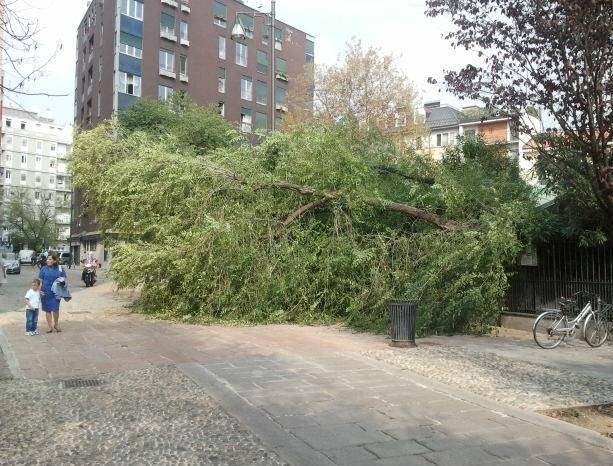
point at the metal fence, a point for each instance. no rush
(562, 269)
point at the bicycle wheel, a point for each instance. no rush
(545, 329)
(595, 331)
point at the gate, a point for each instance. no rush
(562, 269)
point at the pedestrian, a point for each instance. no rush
(32, 308)
(51, 303)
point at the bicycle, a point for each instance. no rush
(552, 326)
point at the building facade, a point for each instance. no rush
(128, 49)
(446, 124)
(34, 166)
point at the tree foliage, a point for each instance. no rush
(31, 222)
(551, 54)
(367, 87)
(316, 224)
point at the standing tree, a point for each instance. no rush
(552, 54)
(366, 87)
(31, 223)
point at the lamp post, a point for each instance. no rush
(239, 35)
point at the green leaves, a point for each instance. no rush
(211, 229)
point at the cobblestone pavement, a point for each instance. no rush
(313, 395)
(512, 381)
(151, 416)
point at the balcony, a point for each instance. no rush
(168, 35)
(184, 78)
(168, 74)
(185, 6)
(185, 42)
(171, 3)
(282, 108)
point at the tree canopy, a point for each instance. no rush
(556, 55)
(31, 222)
(312, 225)
(366, 86)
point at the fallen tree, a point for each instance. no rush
(314, 225)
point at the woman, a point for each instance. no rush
(50, 304)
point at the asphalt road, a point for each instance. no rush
(12, 294)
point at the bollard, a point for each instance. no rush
(403, 315)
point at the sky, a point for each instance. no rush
(395, 26)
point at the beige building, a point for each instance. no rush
(34, 164)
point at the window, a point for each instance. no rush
(38, 160)
(7, 174)
(261, 93)
(278, 39)
(60, 180)
(24, 143)
(221, 80)
(23, 177)
(242, 53)
(265, 33)
(247, 21)
(52, 148)
(442, 139)
(129, 45)
(184, 32)
(8, 157)
(52, 164)
(220, 14)
(222, 109)
(37, 179)
(37, 193)
(246, 88)
(222, 48)
(8, 123)
(246, 120)
(51, 179)
(39, 146)
(281, 66)
(183, 66)
(132, 8)
(167, 26)
(261, 121)
(23, 125)
(470, 132)
(24, 159)
(129, 84)
(310, 51)
(164, 93)
(9, 140)
(281, 95)
(262, 61)
(167, 61)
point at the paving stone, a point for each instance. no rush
(395, 448)
(326, 438)
(533, 447)
(350, 456)
(586, 457)
(471, 456)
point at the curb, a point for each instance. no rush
(9, 354)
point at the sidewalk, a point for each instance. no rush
(309, 393)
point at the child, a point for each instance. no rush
(32, 308)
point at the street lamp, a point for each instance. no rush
(239, 35)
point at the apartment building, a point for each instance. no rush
(33, 165)
(446, 123)
(128, 49)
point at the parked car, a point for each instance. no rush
(12, 266)
(66, 259)
(25, 256)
